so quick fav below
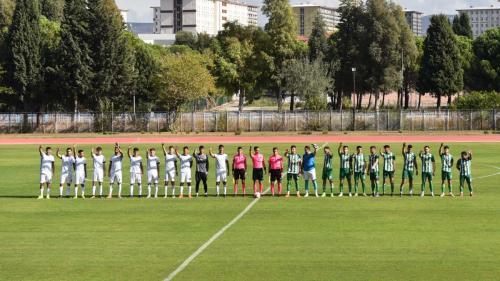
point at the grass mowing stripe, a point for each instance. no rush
(212, 239)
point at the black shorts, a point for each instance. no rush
(275, 175)
(239, 174)
(258, 174)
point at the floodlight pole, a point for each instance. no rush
(354, 99)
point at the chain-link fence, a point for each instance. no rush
(251, 121)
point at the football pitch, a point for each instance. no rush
(361, 238)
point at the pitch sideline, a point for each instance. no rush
(214, 237)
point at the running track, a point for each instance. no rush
(257, 139)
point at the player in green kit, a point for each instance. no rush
(389, 167)
(446, 168)
(428, 169)
(359, 170)
(293, 172)
(327, 170)
(373, 168)
(345, 168)
(464, 166)
(409, 165)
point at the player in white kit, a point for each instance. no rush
(68, 163)
(170, 168)
(115, 171)
(135, 170)
(99, 168)
(153, 166)
(221, 168)
(47, 169)
(80, 172)
(186, 162)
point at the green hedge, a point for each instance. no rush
(477, 100)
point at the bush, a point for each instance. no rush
(477, 100)
(237, 132)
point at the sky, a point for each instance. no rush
(140, 11)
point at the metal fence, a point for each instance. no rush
(222, 121)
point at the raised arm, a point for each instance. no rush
(119, 149)
(177, 152)
(339, 150)
(93, 152)
(58, 154)
(74, 151)
(470, 154)
(286, 152)
(128, 151)
(164, 149)
(403, 149)
(210, 153)
(40, 150)
(441, 152)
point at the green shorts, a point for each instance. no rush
(446, 175)
(407, 174)
(388, 174)
(345, 173)
(466, 178)
(359, 176)
(426, 175)
(373, 176)
(290, 176)
(327, 174)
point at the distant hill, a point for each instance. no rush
(141, 27)
(426, 21)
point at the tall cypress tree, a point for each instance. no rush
(462, 25)
(441, 73)
(317, 41)
(74, 55)
(281, 28)
(24, 63)
(112, 58)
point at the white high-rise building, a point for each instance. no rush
(201, 16)
(482, 18)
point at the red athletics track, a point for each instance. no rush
(258, 139)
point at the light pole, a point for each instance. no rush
(354, 99)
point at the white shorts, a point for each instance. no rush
(153, 176)
(135, 178)
(98, 175)
(46, 178)
(170, 175)
(79, 178)
(310, 175)
(186, 175)
(66, 178)
(115, 176)
(221, 176)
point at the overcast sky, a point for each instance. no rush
(140, 10)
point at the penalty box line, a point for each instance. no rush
(214, 237)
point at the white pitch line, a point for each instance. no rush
(211, 240)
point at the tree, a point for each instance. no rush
(462, 25)
(23, 44)
(485, 69)
(6, 12)
(383, 49)
(317, 41)
(348, 50)
(308, 81)
(441, 73)
(75, 62)
(466, 59)
(182, 78)
(50, 89)
(185, 38)
(281, 28)
(112, 59)
(407, 47)
(240, 60)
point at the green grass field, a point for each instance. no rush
(388, 238)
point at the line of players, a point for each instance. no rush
(74, 169)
